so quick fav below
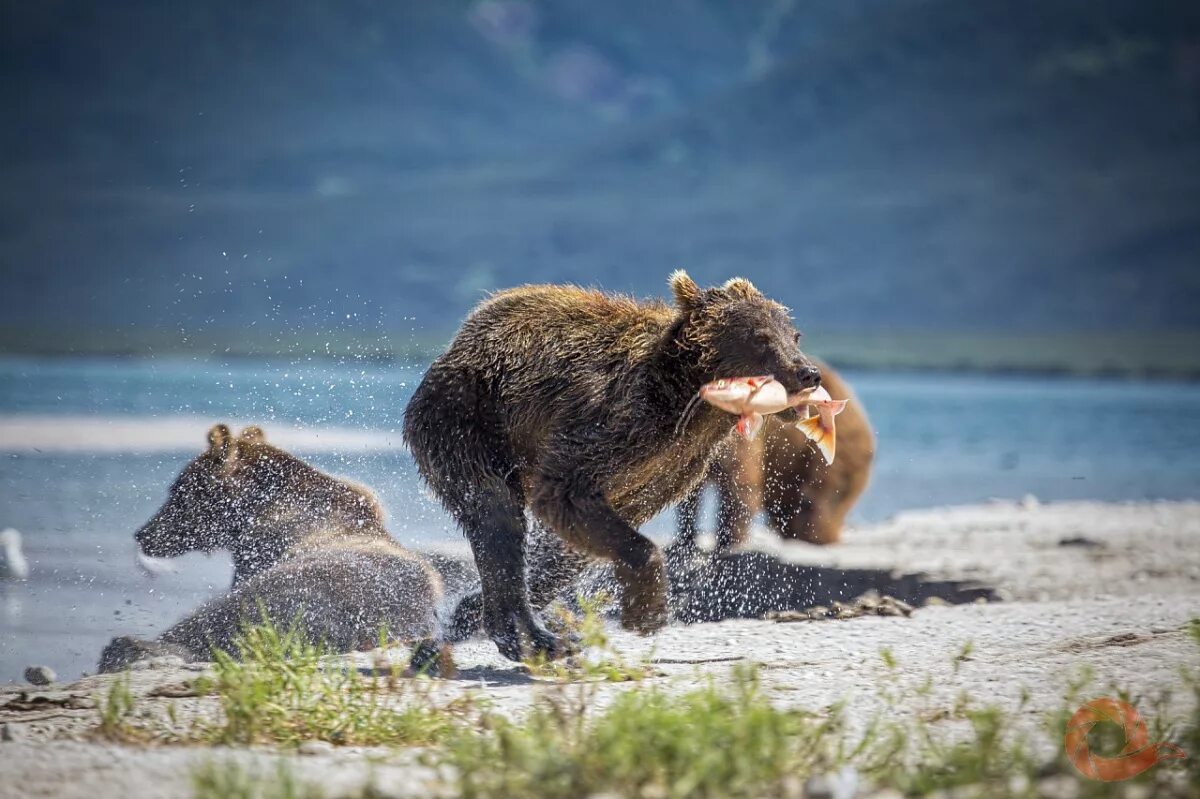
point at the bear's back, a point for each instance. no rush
(543, 328)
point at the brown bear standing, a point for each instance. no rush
(571, 403)
(782, 474)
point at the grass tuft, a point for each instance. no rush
(282, 689)
(705, 743)
(724, 739)
(117, 709)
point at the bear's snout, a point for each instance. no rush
(808, 376)
(799, 376)
(144, 539)
(152, 541)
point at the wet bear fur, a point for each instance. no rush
(308, 549)
(570, 404)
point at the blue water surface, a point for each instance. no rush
(943, 439)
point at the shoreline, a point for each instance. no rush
(1103, 587)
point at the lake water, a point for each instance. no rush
(88, 448)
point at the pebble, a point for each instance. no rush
(871, 604)
(40, 675)
(315, 748)
(11, 732)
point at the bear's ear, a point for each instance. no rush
(741, 288)
(687, 294)
(252, 435)
(221, 443)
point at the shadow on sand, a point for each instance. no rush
(745, 585)
(749, 585)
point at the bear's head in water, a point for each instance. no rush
(244, 495)
(207, 504)
(735, 331)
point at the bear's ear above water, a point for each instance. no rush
(253, 435)
(687, 294)
(221, 444)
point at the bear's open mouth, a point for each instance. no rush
(796, 401)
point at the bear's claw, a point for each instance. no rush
(526, 639)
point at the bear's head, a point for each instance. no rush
(217, 496)
(735, 331)
(253, 499)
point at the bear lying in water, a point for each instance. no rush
(307, 548)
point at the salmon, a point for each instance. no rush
(752, 398)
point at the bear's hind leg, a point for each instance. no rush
(458, 441)
(494, 523)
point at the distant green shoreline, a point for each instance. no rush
(1163, 355)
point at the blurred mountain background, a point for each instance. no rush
(305, 171)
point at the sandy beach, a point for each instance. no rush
(1040, 592)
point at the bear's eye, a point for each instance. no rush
(796, 337)
(763, 337)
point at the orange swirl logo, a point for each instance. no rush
(1136, 756)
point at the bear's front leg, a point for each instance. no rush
(575, 509)
(643, 591)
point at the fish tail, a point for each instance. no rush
(823, 437)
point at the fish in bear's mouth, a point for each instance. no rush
(753, 398)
